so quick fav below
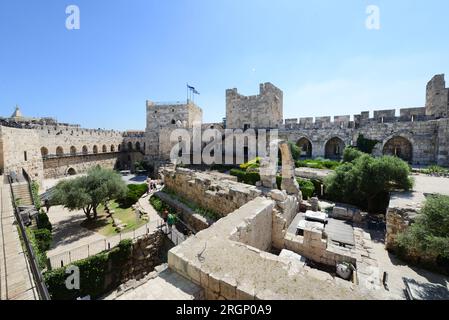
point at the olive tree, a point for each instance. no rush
(88, 192)
(366, 181)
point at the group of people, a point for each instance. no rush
(153, 185)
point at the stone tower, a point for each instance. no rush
(162, 119)
(264, 110)
(437, 97)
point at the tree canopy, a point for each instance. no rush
(88, 192)
(366, 181)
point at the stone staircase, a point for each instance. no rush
(22, 193)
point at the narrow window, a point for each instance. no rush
(25, 156)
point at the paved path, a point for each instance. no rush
(429, 184)
(167, 285)
(16, 282)
(398, 270)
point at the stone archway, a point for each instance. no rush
(73, 150)
(71, 172)
(85, 150)
(400, 147)
(334, 149)
(305, 146)
(269, 167)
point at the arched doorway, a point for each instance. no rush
(399, 147)
(59, 151)
(85, 150)
(138, 146)
(305, 147)
(105, 149)
(95, 149)
(334, 149)
(112, 148)
(130, 146)
(71, 172)
(72, 150)
(44, 152)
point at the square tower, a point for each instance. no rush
(264, 110)
(437, 97)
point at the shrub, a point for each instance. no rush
(35, 194)
(246, 177)
(93, 272)
(307, 188)
(428, 237)
(41, 255)
(43, 239)
(366, 180)
(255, 163)
(350, 154)
(134, 193)
(318, 164)
(43, 222)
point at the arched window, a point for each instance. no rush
(85, 150)
(138, 146)
(95, 149)
(173, 121)
(44, 152)
(59, 151)
(112, 148)
(72, 150)
(105, 149)
(130, 146)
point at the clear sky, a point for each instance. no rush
(128, 51)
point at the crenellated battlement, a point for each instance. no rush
(362, 119)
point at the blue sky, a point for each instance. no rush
(129, 51)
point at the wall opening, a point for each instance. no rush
(399, 147)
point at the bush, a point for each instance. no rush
(318, 164)
(41, 255)
(307, 188)
(35, 194)
(43, 222)
(43, 239)
(134, 193)
(366, 180)
(246, 177)
(93, 272)
(255, 163)
(350, 154)
(428, 237)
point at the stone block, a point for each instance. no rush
(228, 288)
(214, 283)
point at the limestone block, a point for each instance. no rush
(228, 288)
(214, 283)
(278, 195)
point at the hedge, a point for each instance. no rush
(246, 177)
(307, 187)
(93, 271)
(37, 246)
(35, 194)
(135, 192)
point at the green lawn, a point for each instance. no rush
(103, 225)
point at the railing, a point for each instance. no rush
(65, 258)
(35, 270)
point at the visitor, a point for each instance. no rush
(47, 204)
(171, 221)
(165, 215)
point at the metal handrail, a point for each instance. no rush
(35, 270)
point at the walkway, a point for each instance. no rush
(398, 270)
(164, 285)
(16, 280)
